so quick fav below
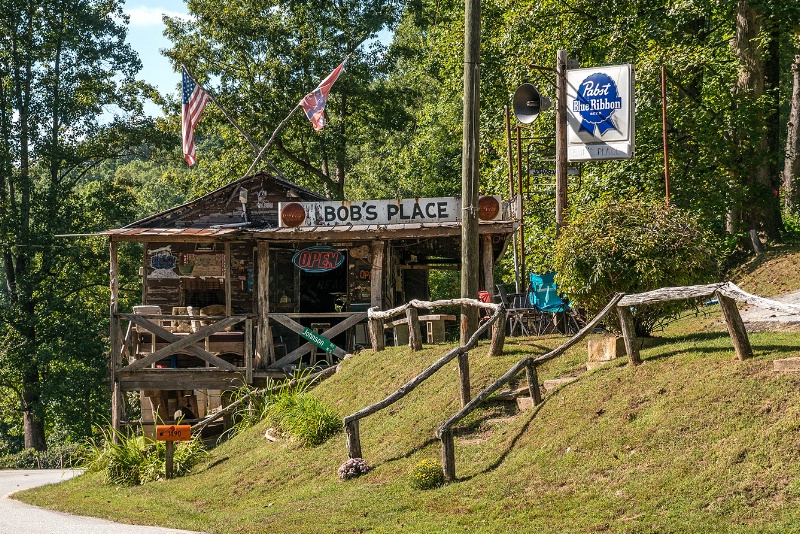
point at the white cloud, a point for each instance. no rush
(151, 16)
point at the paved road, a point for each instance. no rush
(20, 518)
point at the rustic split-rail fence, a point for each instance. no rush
(727, 293)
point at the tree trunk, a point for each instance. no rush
(791, 165)
(760, 207)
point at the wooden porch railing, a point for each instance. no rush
(217, 373)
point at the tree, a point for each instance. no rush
(265, 56)
(63, 63)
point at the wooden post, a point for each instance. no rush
(227, 271)
(463, 378)
(470, 151)
(263, 358)
(115, 358)
(448, 456)
(376, 275)
(168, 459)
(248, 350)
(629, 332)
(414, 332)
(376, 335)
(487, 260)
(498, 336)
(741, 343)
(353, 439)
(533, 383)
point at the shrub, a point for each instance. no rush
(137, 460)
(352, 468)
(303, 417)
(427, 474)
(632, 246)
(55, 457)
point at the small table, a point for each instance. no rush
(434, 328)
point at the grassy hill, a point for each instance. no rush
(690, 441)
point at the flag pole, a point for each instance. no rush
(272, 138)
(223, 110)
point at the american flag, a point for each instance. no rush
(194, 102)
(314, 102)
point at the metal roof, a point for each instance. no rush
(396, 231)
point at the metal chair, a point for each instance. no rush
(518, 312)
(544, 296)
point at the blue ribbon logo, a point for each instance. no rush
(596, 101)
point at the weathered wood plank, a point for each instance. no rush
(669, 293)
(414, 332)
(227, 274)
(248, 350)
(409, 386)
(487, 260)
(520, 365)
(463, 378)
(376, 274)
(353, 439)
(448, 456)
(264, 353)
(335, 330)
(731, 290)
(629, 333)
(533, 383)
(180, 379)
(115, 360)
(736, 328)
(498, 335)
(428, 305)
(186, 343)
(376, 337)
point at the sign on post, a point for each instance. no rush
(600, 113)
(171, 434)
(318, 340)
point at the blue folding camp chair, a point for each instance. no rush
(556, 309)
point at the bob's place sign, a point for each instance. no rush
(399, 211)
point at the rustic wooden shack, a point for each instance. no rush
(235, 283)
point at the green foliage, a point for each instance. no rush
(305, 418)
(427, 474)
(55, 457)
(631, 247)
(290, 408)
(137, 460)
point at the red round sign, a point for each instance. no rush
(488, 208)
(293, 214)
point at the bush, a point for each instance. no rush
(631, 247)
(55, 457)
(137, 460)
(303, 417)
(427, 474)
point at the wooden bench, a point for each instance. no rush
(434, 328)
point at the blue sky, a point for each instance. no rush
(145, 35)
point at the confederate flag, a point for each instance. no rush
(314, 102)
(194, 102)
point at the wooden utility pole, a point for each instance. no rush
(470, 258)
(664, 130)
(561, 139)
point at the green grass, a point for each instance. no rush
(690, 441)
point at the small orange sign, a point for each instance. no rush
(173, 432)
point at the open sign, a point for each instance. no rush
(318, 259)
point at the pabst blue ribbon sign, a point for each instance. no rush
(600, 113)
